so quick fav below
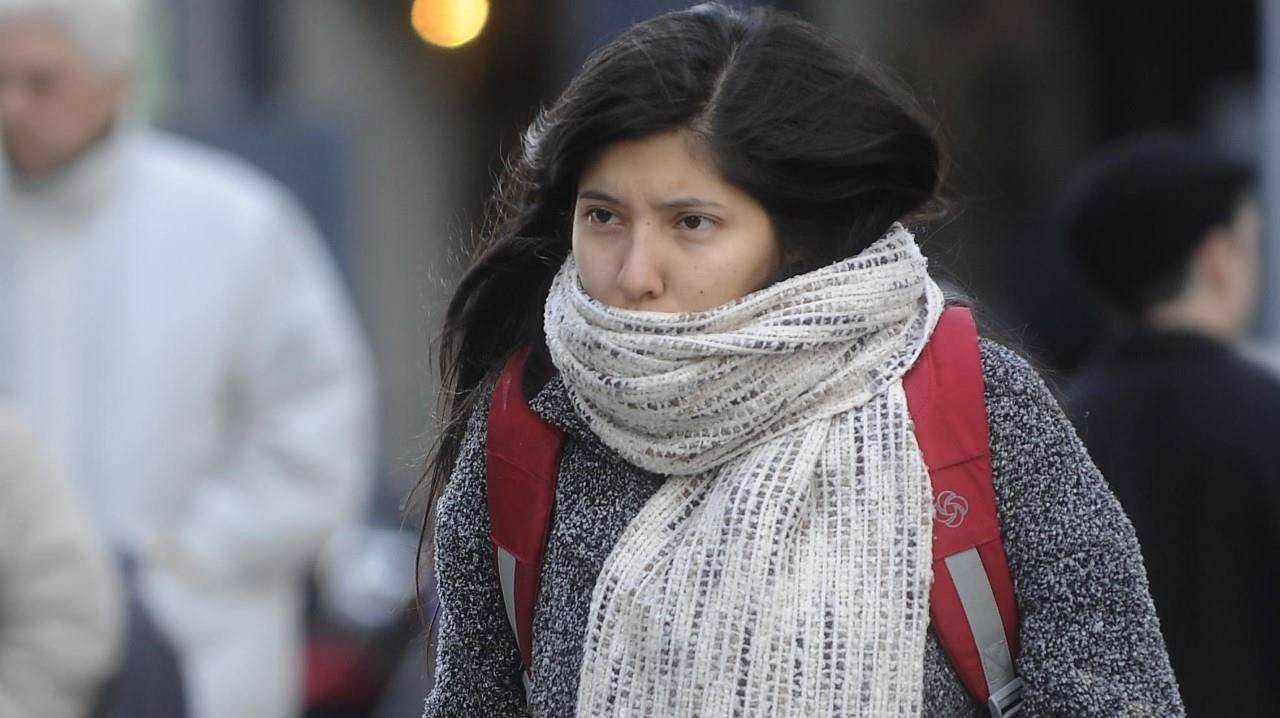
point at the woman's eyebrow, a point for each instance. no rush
(690, 203)
(599, 196)
(674, 203)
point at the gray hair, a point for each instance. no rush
(107, 33)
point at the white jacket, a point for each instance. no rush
(181, 339)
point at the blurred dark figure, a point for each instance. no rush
(1183, 427)
(147, 682)
(61, 616)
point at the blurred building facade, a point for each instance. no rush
(1024, 91)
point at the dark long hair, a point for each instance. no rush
(829, 146)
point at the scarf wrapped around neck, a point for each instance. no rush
(783, 569)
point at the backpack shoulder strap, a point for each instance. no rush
(972, 603)
(522, 461)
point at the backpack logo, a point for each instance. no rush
(950, 509)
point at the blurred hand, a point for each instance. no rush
(172, 557)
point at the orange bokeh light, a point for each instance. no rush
(449, 23)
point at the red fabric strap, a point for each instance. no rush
(522, 458)
(945, 395)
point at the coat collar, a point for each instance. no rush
(84, 183)
(1165, 346)
(554, 404)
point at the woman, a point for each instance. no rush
(701, 246)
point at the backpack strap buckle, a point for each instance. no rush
(1007, 702)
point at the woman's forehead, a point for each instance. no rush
(665, 169)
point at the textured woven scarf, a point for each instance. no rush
(784, 567)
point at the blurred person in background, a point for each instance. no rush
(171, 325)
(1185, 429)
(61, 608)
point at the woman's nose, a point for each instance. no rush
(641, 278)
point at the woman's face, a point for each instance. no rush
(657, 229)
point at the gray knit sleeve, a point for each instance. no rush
(477, 663)
(1091, 644)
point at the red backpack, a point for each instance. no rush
(972, 604)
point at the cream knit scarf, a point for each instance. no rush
(784, 567)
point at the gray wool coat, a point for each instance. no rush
(1091, 644)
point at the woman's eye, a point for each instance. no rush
(598, 215)
(696, 222)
